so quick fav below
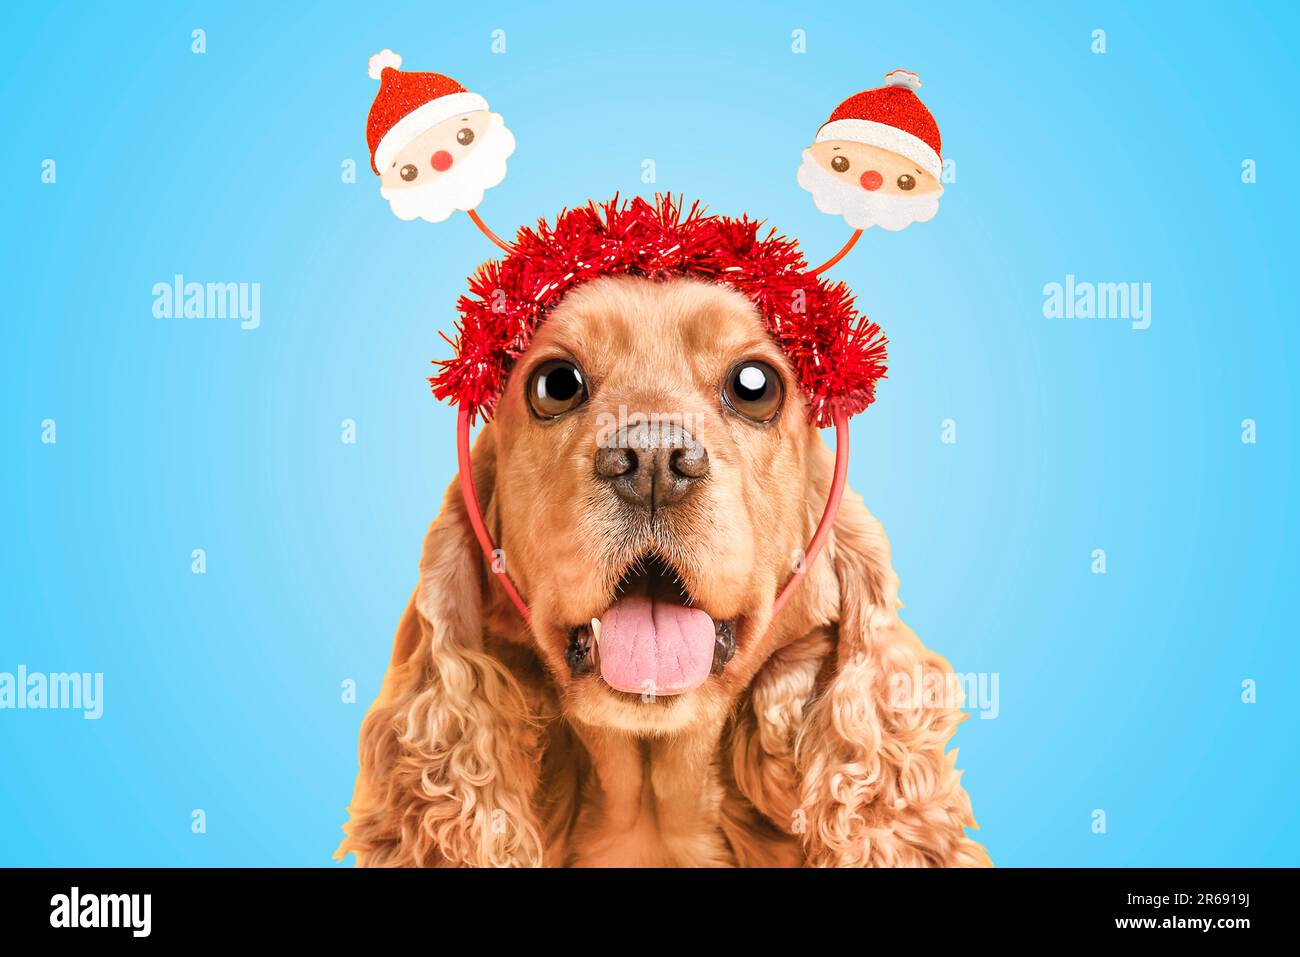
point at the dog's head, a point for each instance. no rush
(650, 465)
(651, 495)
(651, 477)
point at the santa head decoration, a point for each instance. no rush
(434, 145)
(876, 161)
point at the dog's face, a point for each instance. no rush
(651, 496)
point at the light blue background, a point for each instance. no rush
(1120, 692)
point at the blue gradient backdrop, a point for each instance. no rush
(222, 691)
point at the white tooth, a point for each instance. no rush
(595, 630)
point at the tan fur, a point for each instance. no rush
(482, 750)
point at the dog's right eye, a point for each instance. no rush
(556, 387)
(840, 164)
(409, 172)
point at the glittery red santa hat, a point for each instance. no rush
(836, 353)
(409, 104)
(891, 117)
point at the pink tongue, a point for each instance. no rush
(654, 647)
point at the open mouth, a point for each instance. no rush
(652, 640)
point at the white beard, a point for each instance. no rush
(462, 186)
(862, 208)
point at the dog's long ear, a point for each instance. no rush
(448, 768)
(877, 788)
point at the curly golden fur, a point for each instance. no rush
(482, 749)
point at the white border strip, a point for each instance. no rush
(886, 137)
(421, 120)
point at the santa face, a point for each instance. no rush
(448, 167)
(868, 186)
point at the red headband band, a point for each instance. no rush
(836, 354)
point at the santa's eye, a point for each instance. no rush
(754, 390)
(465, 136)
(906, 182)
(840, 164)
(556, 387)
(409, 172)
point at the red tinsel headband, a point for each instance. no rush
(836, 353)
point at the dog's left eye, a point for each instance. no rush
(556, 387)
(754, 390)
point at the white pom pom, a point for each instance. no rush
(381, 60)
(904, 79)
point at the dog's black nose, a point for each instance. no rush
(652, 464)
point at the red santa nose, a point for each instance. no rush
(441, 161)
(871, 180)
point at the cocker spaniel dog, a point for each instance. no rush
(650, 470)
